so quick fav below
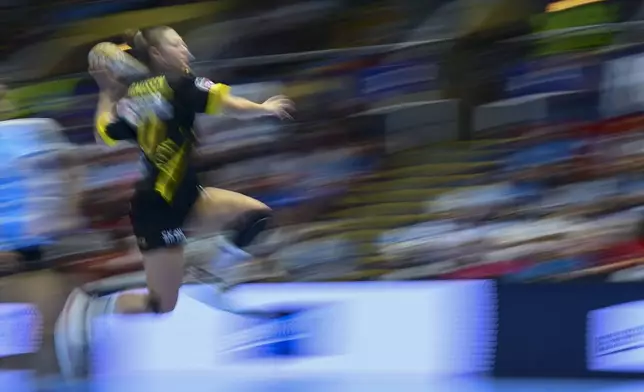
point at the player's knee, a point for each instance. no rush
(249, 225)
(256, 205)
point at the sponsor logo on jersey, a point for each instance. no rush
(204, 84)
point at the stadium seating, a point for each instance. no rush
(547, 204)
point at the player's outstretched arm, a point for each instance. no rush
(215, 98)
(278, 106)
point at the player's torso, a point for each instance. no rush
(160, 110)
(164, 132)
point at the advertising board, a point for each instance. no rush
(438, 328)
(591, 329)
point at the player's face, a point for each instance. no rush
(173, 51)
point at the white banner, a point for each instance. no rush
(20, 329)
(622, 86)
(616, 338)
(438, 328)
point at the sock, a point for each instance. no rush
(229, 254)
(247, 227)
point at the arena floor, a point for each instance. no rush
(371, 385)
(22, 382)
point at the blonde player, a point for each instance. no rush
(158, 113)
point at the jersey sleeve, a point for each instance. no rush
(202, 95)
(113, 127)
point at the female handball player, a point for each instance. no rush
(158, 114)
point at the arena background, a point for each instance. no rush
(397, 167)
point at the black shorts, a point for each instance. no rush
(157, 223)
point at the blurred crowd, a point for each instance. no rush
(560, 203)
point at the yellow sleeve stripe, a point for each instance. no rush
(102, 122)
(216, 97)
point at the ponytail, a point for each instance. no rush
(140, 41)
(136, 45)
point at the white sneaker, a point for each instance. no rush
(71, 335)
(226, 267)
(230, 263)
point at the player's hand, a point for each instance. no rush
(279, 106)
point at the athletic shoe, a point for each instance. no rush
(71, 335)
(229, 263)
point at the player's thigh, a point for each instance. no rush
(216, 207)
(164, 270)
(157, 227)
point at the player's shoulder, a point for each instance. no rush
(151, 84)
(190, 81)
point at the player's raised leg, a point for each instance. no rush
(239, 218)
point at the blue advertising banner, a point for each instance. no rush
(383, 82)
(551, 75)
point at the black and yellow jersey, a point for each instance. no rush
(158, 113)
